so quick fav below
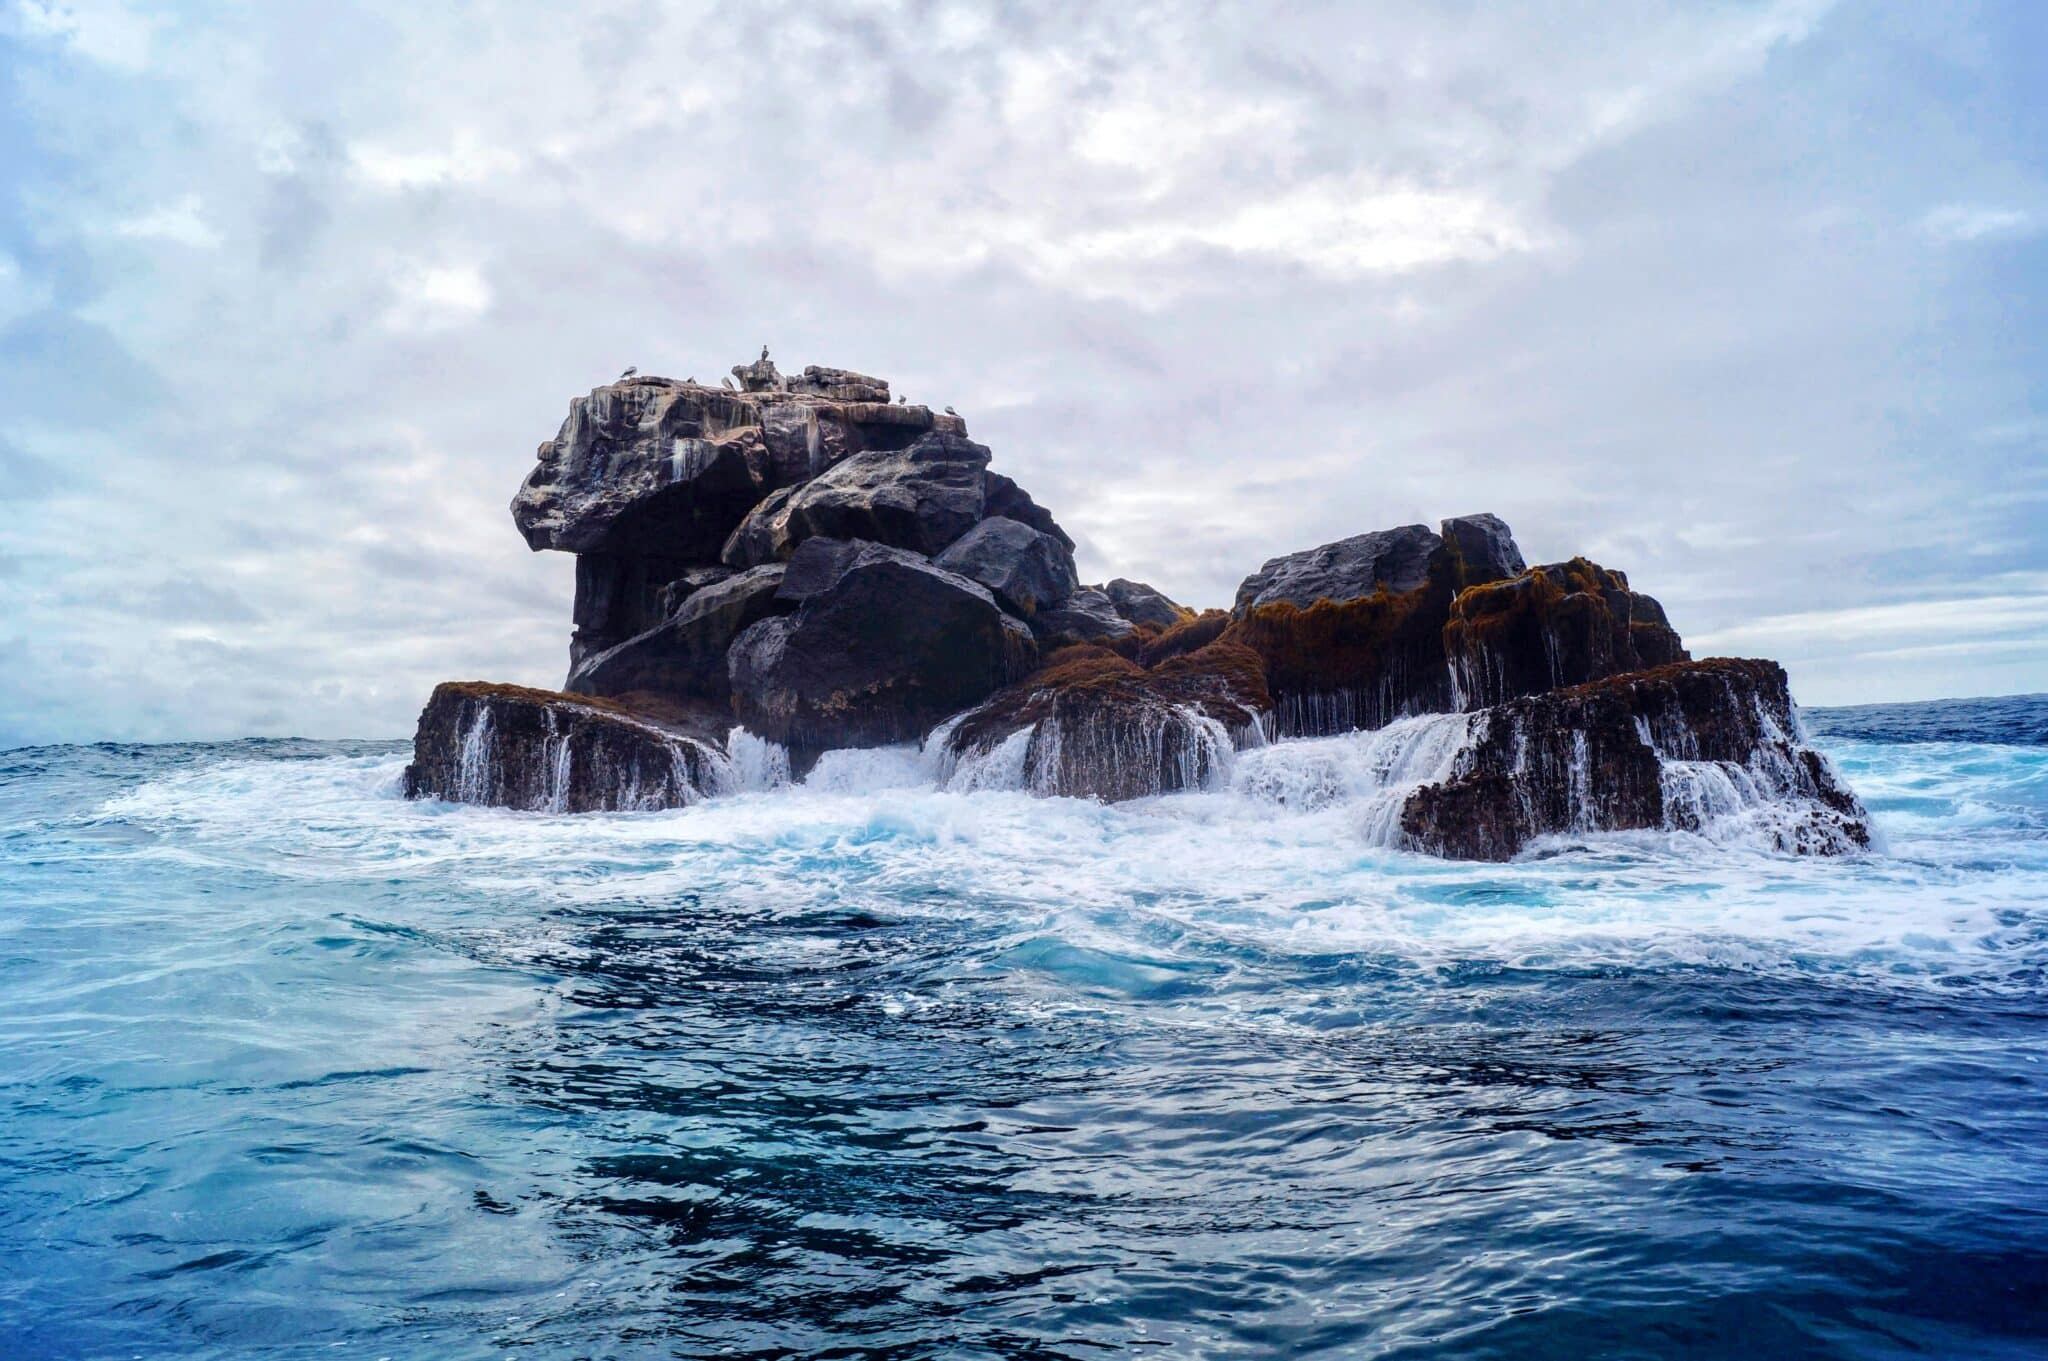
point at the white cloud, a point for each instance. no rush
(181, 223)
(1964, 222)
(431, 297)
(465, 160)
(103, 30)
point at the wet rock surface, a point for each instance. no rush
(830, 567)
(1094, 724)
(1675, 747)
(512, 747)
(882, 645)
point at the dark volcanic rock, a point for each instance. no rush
(1482, 549)
(1677, 747)
(684, 655)
(691, 581)
(646, 466)
(1433, 627)
(1144, 606)
(513, 747)
(883, 644)
(1026, 568)
(1558, 625)
(922, 498)
(618, 596)
(1086, 616)
(1392, 560)
(1357, 663)
(1012, 502)
(1096, 725)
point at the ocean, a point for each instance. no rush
(292, 1067)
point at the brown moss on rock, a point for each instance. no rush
(1554, 626)
(1196, 631)
(1335, 666)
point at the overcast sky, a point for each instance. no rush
(1747, 300)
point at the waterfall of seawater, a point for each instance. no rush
(1375, 770)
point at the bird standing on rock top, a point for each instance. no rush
(628, 373)
(951, 412)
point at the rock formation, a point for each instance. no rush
(823, 567)
(1676, 746)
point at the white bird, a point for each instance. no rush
(628, 374)
(729, 384)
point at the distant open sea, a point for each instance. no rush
(291, 1067)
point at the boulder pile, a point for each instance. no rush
(807, 559)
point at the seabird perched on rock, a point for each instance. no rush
(628, 374)
(764, 354)
(729, 384)
(951, 412)
(901, 399)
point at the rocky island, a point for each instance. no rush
(778, 566)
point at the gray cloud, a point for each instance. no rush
(1736, 297)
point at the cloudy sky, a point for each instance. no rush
(1747, 299)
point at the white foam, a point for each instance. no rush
(1285, 858)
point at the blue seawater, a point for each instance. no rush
(290, 1067)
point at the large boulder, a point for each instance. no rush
(684, 655)
(1028, 569)
(882, 645)
(1093, 724)
(921, 497)
(1086, 616)
(1012, 502)
(1393, 561)
(1482, 549)
(512, 747)
(1145, 606)
(1553, 626)
(1710, 746)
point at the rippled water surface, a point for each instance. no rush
(291, 1067)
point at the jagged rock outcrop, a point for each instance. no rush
(1026, 568)
(882, 644)
(512, 747)
(649, 477)
(1680, 747)
(805, 556)
(1093, 724)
